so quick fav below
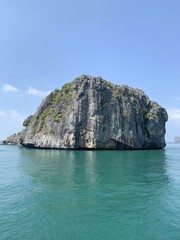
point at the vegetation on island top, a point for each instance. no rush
(56, 97)
(107, 84)
(116, 94)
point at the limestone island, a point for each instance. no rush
(92, 113)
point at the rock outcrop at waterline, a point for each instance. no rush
(91, 113)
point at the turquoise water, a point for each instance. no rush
(89, 195)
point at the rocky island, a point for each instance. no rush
(92, 113)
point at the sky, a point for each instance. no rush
(47, 43)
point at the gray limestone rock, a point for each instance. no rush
(27, 121)
(91, 113)
(13, 139)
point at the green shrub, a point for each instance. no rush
(45, 113)
(107, 84)
(76, 79)
(116, 94)
(56, 91)
(66, 88)
(52, 132)
(57, 117)
(34, 130)
(69, 95)
(57, 99)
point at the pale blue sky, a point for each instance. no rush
(46, 43)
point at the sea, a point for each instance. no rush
(89, 195)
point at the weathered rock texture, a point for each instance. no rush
(91, 113)
(13, 139)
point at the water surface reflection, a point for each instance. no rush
(90, 194)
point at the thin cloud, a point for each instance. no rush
(12, 114)
(15, 114)
(9, 88)
(35, 92)
(174, 114)
(30, 91)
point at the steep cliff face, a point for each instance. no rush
(91, 113)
